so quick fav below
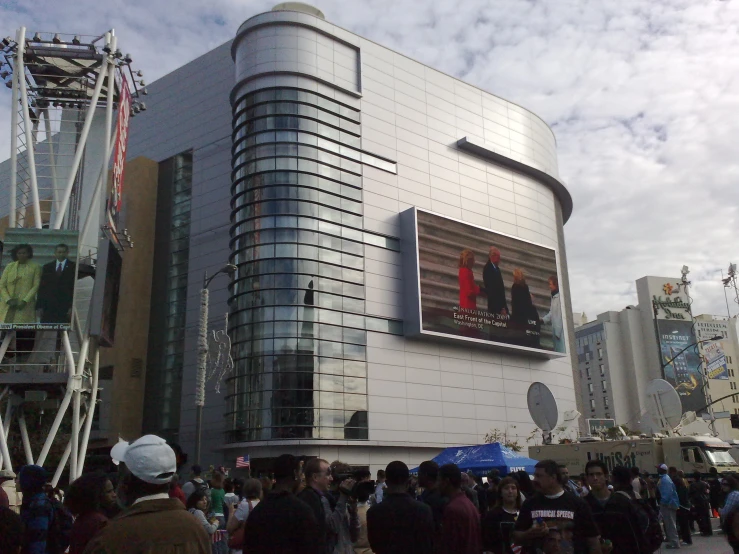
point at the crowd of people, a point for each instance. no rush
(311, 506)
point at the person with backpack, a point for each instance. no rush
(252, 490)
(196, 483)
(48, 525)
(614, 511)
(87, 499)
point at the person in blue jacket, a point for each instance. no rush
(668, 506)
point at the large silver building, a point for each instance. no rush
(291, 151)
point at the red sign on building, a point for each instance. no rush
(121, 144)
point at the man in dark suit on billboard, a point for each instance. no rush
(494, 286)
(56, 291)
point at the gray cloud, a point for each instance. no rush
(642, 97)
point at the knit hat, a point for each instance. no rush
(32, 478)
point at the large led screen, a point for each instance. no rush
(39, 274)
(470, 283)
(682, 364)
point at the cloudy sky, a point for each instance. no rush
(643, 96)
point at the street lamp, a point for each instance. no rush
(228, 269)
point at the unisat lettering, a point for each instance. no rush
(614, 459)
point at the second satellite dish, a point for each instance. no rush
(542, 406)
(663, 404)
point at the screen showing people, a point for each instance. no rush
(478, 284)
(39, 272)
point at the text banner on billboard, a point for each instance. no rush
(684, 371)
(121, 145)
(716, 365)
(470, 283)
(37, 284)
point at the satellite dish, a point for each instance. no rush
(542, 406)
(663, 404)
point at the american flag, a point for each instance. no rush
(242, 461)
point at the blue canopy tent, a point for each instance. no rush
(480, 459)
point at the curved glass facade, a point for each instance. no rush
(298, 327)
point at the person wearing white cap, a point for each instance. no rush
(154, 522)
(668, 505)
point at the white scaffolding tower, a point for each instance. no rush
(65, 89)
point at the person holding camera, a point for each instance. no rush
(338, 523)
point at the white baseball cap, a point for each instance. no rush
(663, 467)
(149, 458)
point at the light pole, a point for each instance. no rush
(228, 269)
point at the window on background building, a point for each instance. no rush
(590, 388)
(592, 404)
(602, 369)
(587, 356)
(166, 349)
(608, 416)
(587, 370)
(605, 386)
(605, 402)
(600, 352)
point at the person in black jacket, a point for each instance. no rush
(494, 286)
(497, 524)
(400, 523)
(614, 512)
(56, 289)
(699, 494)
(523, 312)
(281, 523)
(331, 515)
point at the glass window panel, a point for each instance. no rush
(355, 385)
(355, 368)
(332, 400)
(356, 433)
(331, 433)
(286, 313)
(333, 365)
(331, 383)
(285, 329)
(331, 332)
(285, 296)
(355, 336)
(330, 349)
(355, 402)
(286, 250)
(355, 352)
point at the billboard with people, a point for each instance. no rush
(39, 273)
(682, 363)
(472, 283)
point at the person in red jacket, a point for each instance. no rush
(460, 524)
(468, 290)
(175, 491)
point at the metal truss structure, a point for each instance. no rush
(62, 85)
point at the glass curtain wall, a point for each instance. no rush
(169, 301)
(298, 327)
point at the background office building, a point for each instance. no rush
(619, 353)
(291, 151)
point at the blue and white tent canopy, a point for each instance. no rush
(480, 459)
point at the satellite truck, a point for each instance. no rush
(688, 453)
